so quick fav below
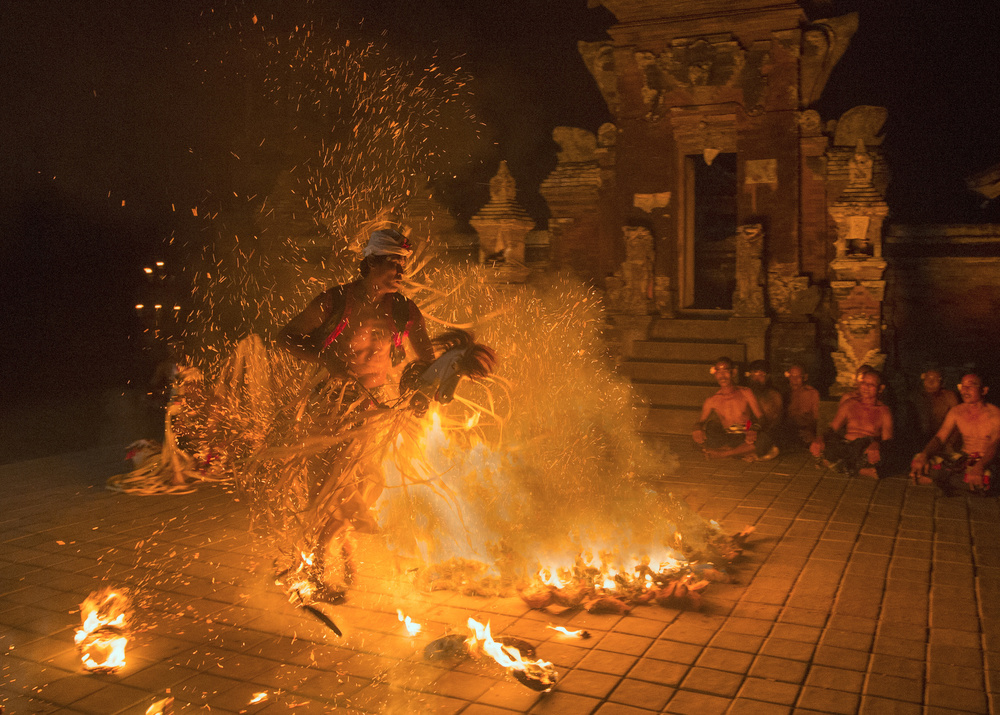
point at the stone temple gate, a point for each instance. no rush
(727, 207)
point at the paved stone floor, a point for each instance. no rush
(877, 597)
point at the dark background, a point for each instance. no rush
(112, 102)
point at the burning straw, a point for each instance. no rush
(103, 634)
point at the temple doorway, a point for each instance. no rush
(711, 228)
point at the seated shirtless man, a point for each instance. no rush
(768, 398)
(867, 423)
(802, 410)
(978, 424)
(930, 405)
(730, 420)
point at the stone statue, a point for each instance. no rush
(631, 289)
(748, 300)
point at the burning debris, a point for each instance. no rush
(516, 656)
(536, 674)
(103, 635)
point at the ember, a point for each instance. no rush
(583, 635)
(536, 674)
(104, 631)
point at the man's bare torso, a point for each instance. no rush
(979, 425)
(803, 407)
(363, 346)
(865, 420)
(732, 408)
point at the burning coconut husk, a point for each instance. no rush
(104, 630)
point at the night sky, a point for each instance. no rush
(118, 117)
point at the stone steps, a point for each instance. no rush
(670, 370)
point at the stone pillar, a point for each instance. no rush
(572, 193)
(857, 270)
(748, 299)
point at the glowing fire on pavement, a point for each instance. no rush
(104, 632)
(536, 674)
(412, 628)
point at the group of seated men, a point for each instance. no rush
(754, 422)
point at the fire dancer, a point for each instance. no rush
(930, 404)
(730, 420)
(356, 331)
(978, 424)
(802, 411)
(867, 423)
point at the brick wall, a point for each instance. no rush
(942, 301)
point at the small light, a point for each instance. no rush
(148, 270)
(159, 264)
(177, 307)
(139, 306)
(157, 306)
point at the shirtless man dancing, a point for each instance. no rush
(730, 420)
(356, 330)
(867, 423)
(978, 423)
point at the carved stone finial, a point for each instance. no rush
(575, 145)
(502, 187)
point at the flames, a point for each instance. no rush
(412, 628)
(103, 634)
(538, 675)
(608, 586)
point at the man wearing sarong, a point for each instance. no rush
(866, 422)
(730, 420)
(357, 332)
(978, 424)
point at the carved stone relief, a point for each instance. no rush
(761, 171)
(823, 44)
(789, 293)
(631, 289)
(862, 123)
(575, 145)
(599, 57)
(695, 64)
(748, 299)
